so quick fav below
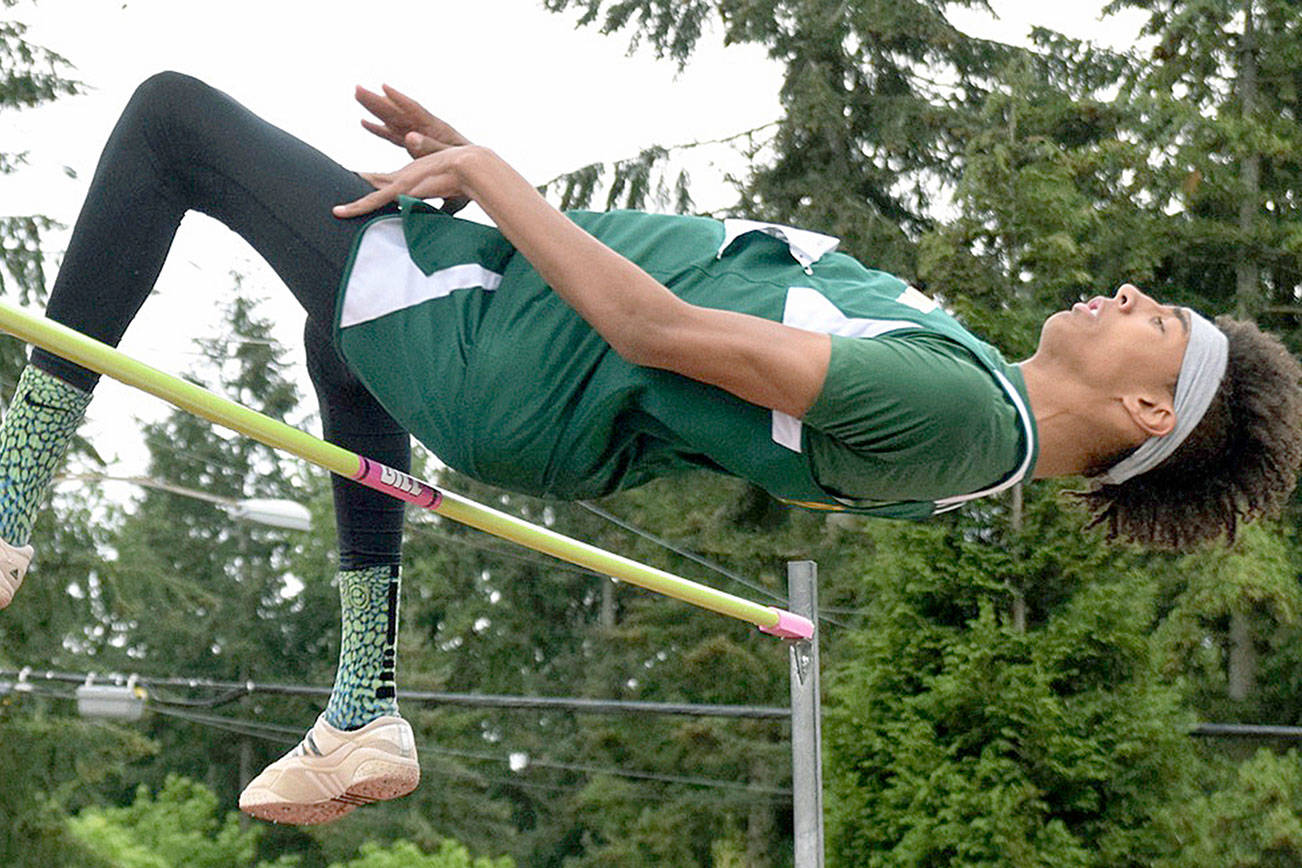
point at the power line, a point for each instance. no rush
(681, 146)
(232, 691)
(427, 530)
(695, 558)
(287, 735)
(291, 735)
(844, 610)
(678, 550)
(31, 682)
(443, 773)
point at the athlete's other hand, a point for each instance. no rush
(409, 125)
(438, 174)
(406, 122)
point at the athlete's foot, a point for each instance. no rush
(13, 566)
(333, 771)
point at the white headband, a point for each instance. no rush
(1200, 376)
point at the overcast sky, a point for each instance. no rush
(546, 96)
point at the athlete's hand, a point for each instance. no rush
(409, 125)
(439, 174)
(406, 122)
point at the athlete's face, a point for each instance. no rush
(1125, 342)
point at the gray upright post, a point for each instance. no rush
(806, 727)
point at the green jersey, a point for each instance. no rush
(465, 345)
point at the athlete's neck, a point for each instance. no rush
(1077, 426)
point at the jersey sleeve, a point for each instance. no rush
(909, 416)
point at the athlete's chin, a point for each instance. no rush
(1058, 334)
(1059, 323)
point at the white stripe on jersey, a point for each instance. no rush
(810, 310)
(384, 278)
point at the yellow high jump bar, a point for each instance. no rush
(97, 356)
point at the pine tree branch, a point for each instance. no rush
(686, 146)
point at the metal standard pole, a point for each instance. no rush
(806, 720)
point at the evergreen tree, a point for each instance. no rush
(958, 736)
(1063, 192)
(879, 101)
(184, 824)
(52, 762)
(29, 76)
(994, 695)
(1222, 103)
(205, 595)
(1250, 817)
(1047, 197)
(48, 757)
(1022, 735)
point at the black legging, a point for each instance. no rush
(182, 145)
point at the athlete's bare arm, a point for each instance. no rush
(758, 360)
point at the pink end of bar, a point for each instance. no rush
(398, 484)
(790, 625)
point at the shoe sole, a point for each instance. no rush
(374, 780)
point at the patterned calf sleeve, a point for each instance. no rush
(34, 437)
(364, 687)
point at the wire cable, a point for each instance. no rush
(231, 691)
(427, 530)
(695, 558)
(678, 550)
(290, 735)
(284, 734)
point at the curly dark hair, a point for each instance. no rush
(1239, 464)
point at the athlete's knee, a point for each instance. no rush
(168, 98)
(168, 88)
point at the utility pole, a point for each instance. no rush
(806, 720)
(1242, 666)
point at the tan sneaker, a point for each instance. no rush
(332, 771)
(13, 566)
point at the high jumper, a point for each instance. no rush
(573, 355)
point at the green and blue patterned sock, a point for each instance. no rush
(34, 437)
(364, 683)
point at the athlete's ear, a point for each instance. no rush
(1152, 413)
